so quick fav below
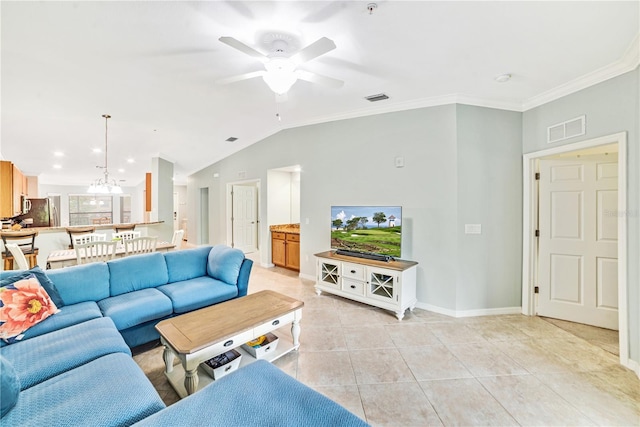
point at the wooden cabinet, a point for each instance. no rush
(6, 189)
(13, 185)
(389, 285)
(285, 250)
(292, 249)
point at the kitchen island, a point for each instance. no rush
(51, 239)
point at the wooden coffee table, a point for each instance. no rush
(202, 334)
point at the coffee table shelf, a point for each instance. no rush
(200, 335)
(176, 377)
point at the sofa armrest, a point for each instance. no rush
(243, 277)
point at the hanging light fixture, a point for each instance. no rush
(104, 185)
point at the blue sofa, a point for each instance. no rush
(75, 367)
(137, 292)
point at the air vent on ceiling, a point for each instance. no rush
(378, 97)
(566, 130)
(231, 139)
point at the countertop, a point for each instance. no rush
(285, 228)
(97, 226)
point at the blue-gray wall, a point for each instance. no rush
(610, 107)
(446, 150)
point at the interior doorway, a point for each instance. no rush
(531, 261)
(204, 216)
(577, 239)
(243, 215)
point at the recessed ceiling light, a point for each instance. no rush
(130, 160)
(58, 153)
(502, 78)
(57, 166)
(121, 170)
(97, 150)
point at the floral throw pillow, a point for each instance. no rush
(23, 304)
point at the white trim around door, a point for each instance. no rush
(530, 220)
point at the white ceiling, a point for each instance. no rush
(153, 66)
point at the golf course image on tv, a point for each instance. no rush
(367, 229)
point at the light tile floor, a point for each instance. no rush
(431, 369)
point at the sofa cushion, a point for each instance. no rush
(68, 315)
(224, 263)
(80, 283)
(137, 307)
(187, 264)
(23, 304)
(196, 293)
(269, 398)
(10, 386)
(111, 390)
(44, 280)
(136, 272)
(46, 356)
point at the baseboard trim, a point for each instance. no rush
(470, 313)
(631, 364)
(307, 277)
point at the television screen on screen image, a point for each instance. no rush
(367, 229)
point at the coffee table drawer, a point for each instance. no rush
(273, 324)
(231, 343)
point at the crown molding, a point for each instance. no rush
(628, 62)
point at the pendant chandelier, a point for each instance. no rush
(105, 185)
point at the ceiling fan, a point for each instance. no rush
(281, 66)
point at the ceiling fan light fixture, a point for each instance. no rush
(280, 75)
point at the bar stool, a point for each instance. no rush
(26, 241)
(74, 231)
(124, 227)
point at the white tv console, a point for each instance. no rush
(390, 285)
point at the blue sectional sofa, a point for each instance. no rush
(75, 367)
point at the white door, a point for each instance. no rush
(578, 247)
(245, 218)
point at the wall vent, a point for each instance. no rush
(378, 97)
(565, 130)
(231, 139)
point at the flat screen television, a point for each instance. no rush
(375, 230)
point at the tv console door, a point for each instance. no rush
(388, 285)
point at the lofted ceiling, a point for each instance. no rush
(153, 67)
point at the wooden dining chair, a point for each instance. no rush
(140, 245)
(26, 241)
(76, 231)
(18, 256)
(95, 252)
(126, 235)
(89, 237)
(124, 227)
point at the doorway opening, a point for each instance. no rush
(204, 216)
(243, 215)
(530, 265)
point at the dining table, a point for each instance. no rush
(67, 257)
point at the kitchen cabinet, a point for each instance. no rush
(285, 250)
(13, 185)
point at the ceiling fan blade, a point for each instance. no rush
(236, 44)
(240, 77)
(317, 78)
(315, 49)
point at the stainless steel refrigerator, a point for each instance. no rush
(36, 213)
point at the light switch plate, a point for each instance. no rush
(473, 229)
(399, 162)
